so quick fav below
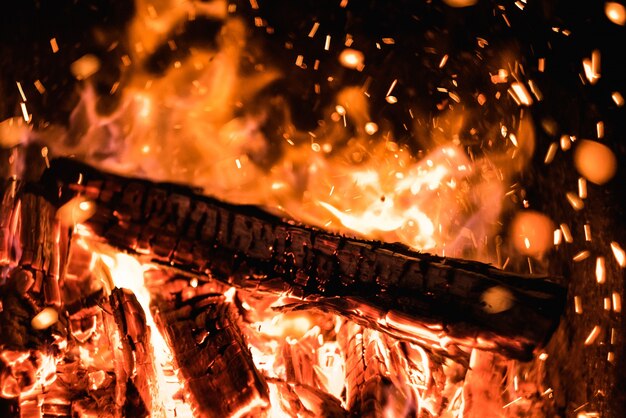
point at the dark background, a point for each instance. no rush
(423, 31)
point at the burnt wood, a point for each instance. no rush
(212, 357)
(433, 300)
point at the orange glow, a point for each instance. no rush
(76, 211)
(85, 67)
(595, 161)
(532, 233)
(460, 3)
(619, 254)
(351, 58)
(45, 319)
(600, 270)
(615, 12)
(13, 131)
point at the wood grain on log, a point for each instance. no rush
(213, 360)
(369, 391)
(433, 300)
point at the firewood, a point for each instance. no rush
(213, 360)
(433, 300)
(131, 322)
(369, 390)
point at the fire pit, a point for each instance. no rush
(247, 209)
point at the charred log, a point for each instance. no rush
(213, 360)
(131, 321)
(369, 390)
(413, 295)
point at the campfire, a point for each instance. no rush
(187, 244)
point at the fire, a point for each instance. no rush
(200, 121)
(127, 272)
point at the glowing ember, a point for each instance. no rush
(600, 270)
(351, 58)
(593, 335)
(45, 319)
(619, 253)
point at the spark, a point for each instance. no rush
(617, 302)
(520, 94)
(40, 87)
(313, 30)
(512, 402)
(593, 335)
(391, 99)
(27, 116)
(587, 229)
(54, 45)
(610, 357)
(607, 304)
(582, 188)
(600, 129)
(443, 61)
(552, 149)
(600, 270)
(393, 84)
(578, 305)
(541, 65)
(592, 67)
(534, 88)
(299, 60)
(126, 60)
(327, 43)
(583, 255)
(558, 237)
(566, 142)
(618, 98)
(254, 4)
(567, 234)
(19, 87)
(619, 254)
(371, 128)
(351, 58)
(575, 201)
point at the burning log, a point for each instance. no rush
(33, 335)
(138, 361)
(213, 360)
(441, 302)
(369, 390)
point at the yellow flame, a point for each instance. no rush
(127, 272)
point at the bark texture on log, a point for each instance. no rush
(213, 360)
(427, 298)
